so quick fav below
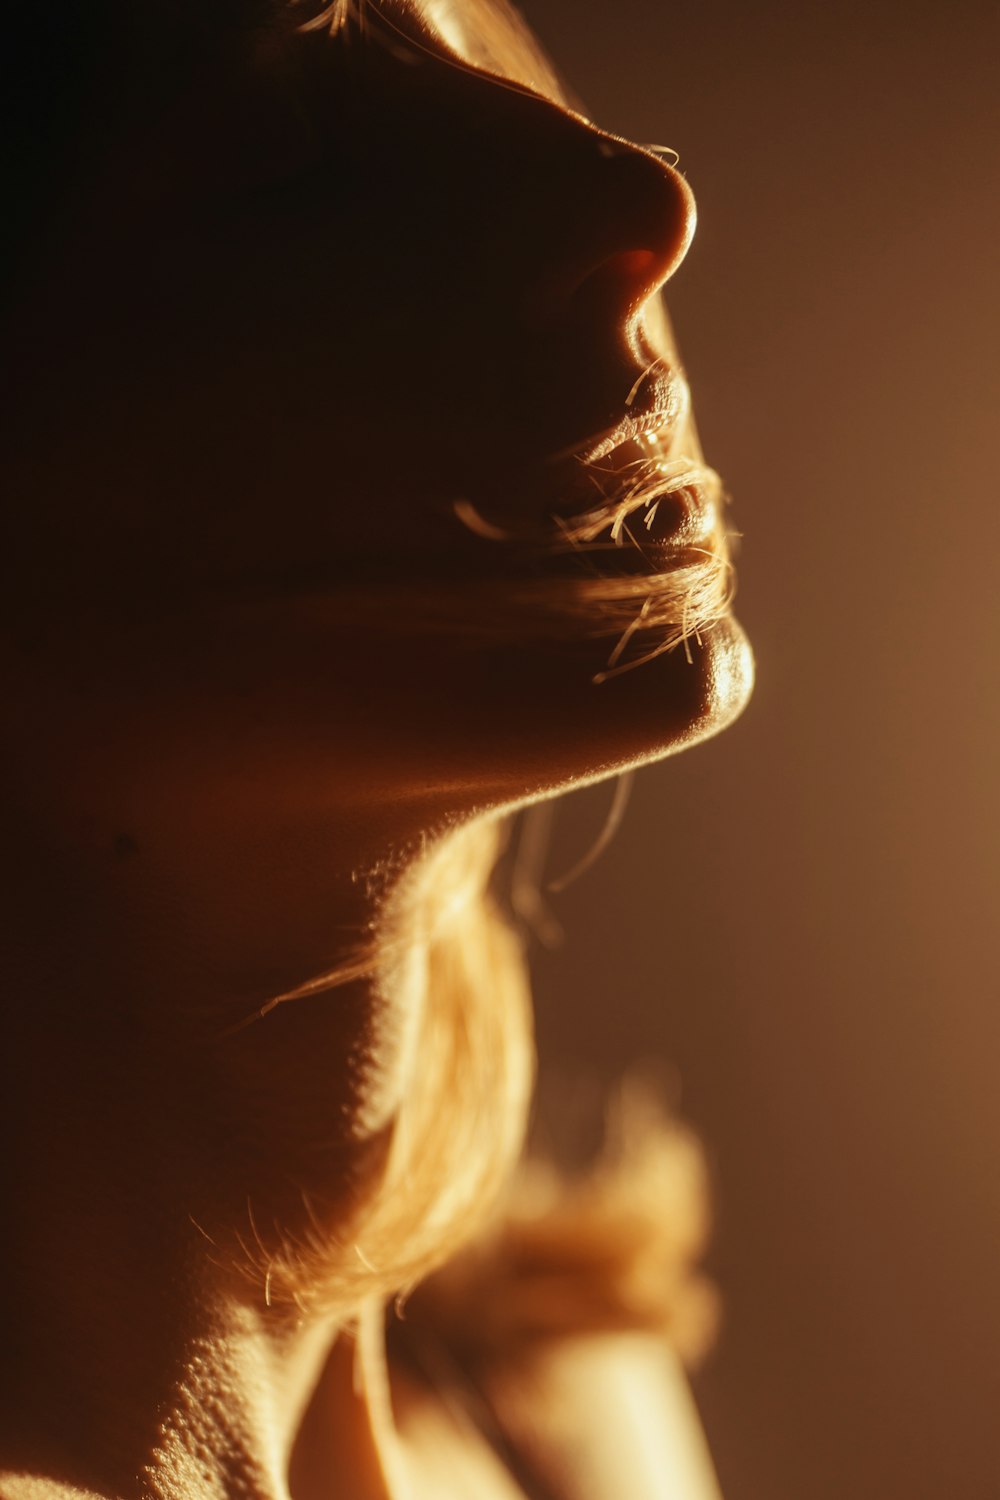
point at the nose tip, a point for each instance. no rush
(664, 223)
(634, 221)
(651, 219)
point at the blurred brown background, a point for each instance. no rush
(802, 915)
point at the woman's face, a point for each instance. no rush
(347, 329)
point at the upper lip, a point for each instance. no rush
(660, 401)
(657, 405)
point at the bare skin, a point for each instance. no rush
(212, 771)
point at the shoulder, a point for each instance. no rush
(607, 1413)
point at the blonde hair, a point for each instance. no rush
(446, 958)
(614, 1247)
(498, 1252)
(499, 40)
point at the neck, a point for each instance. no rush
(161, 1157)
(135, 1364)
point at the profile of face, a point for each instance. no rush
(352, 401)
(346, 313)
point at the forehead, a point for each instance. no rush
(490, 35)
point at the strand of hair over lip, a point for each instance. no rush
(668, 605)
(615, 581)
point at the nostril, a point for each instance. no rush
(623, 282)
(616, 283)
(619, 284)
(635, 263)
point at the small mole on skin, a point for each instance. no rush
(125, 846)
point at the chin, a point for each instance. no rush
(550, 727)
(728, 670)
(672, 702)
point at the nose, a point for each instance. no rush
(623, 223)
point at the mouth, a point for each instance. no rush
(651, 535)
(646, 481)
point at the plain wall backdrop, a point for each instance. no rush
(802, 916)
